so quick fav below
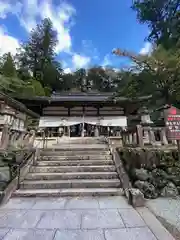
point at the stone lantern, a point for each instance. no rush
(148, 134)
(145, 117)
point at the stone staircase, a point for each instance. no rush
(84, 169)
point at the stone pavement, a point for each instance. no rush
(168, 211)
(94, 218)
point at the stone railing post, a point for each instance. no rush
(130, 138)
(140, 135)
(96, 133)
(20, 141)
(134, 138)
(163, 136)
(15, 138)
(26, 139)
(151, 136)
(32, 138)
(4, 137)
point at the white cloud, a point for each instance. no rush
(106, 61)
(7, 7)
(67, 70)
(146, 49)
(8, 43)
(61, 16)
(89, 49)
(4, 9)
(80, 61)
(30, 12)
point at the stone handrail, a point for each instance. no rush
(142, 135)
(16, 138)
(135, 196)
(23, 165)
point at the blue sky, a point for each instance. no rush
(87, 30)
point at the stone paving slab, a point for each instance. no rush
(64, 219)
(19, 203)
(80, 218)
(131, 218)
(167, 208)
(106, 218)
(154, 225)
(130, 234)
(82, 203)
(80, 235)
(19, 234)
(49, 203)
(115, 202)
(3, 232)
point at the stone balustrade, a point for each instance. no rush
(146, 135)
(14, 117)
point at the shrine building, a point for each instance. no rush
(84, 113)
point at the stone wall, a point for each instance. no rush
(155, 172)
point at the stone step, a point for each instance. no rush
(71, 175)
(70, 192)
(74, 183)
(64, 169)
(75, 163)
(76, 157)
(75, 153)
(76, 147)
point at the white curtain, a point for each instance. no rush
(91, 120)
(59, 121)
(50, 122)
(69, 121)
(73, 121)
(114, 121)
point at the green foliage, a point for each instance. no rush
(158, 73)
(33, 88)
(80, 80)
(67, 81)
(8, 66)
(163, 19)
(23, 74)
(10, 85)
(38, 54)
(153, 171)
(102, 79)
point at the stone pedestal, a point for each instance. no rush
(163, 137)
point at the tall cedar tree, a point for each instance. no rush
(38, 54)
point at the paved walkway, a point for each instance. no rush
(102, 218)
(168, 211)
